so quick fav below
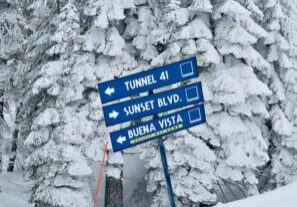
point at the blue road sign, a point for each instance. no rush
(148, 80)
(149, 105)
(156, 128)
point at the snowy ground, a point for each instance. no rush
(14, 191)
(135, 194)
(282, 197)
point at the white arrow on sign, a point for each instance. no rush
(114, 114)
(121, 139)
(109, 91)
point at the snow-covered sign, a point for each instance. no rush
(148, 80)
(153, 104)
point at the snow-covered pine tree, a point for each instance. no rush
(11, 29)
(238, 108)
(12, 37)
(274, 49)
(65, 60)
(234, 96)
(162, 33)
(114, 58)
(60, 127)
(284, 120)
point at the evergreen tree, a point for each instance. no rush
(59, 126)
(103, 38)
(234, 95)
(163, 33)
(274, 49)
(12, 37)
(70, 51)
(238, 94)
(284, 119)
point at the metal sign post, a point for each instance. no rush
(166, 172)
(165, 165)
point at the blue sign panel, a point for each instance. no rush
(156, 128)
(149, 105)
(148, 80)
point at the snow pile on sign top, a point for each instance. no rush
(284, 196)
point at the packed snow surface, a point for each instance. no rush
(282, 197)
(14, 190)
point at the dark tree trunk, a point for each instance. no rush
(113, 192)
(1, 141)
(1, 120)
(1, 109)
(13, 150)
(58, 6)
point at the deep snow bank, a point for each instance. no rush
(14, 190)
(282, 197)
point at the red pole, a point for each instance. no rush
(100, 176)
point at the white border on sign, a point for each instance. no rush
(193, 111)
(184, 75)
(193, 98)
